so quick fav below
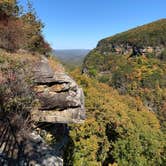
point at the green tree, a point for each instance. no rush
(8, 8)
(33, 26)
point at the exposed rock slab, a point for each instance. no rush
(62, 101)
(71, 115)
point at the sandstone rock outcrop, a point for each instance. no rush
(36, 133)
(128, 49)
(61, 100)
(148, 40)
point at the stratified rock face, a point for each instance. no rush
(144, 40)
(107, 47)
(62, 101)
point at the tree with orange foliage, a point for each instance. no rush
(21, 30)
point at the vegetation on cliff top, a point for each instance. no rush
(152, 34)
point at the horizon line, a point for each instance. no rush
(72, 48)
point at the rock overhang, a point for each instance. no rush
(61, 99)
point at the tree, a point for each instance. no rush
(11, 33)
(21, 30)
(8, 8)
(33, 29)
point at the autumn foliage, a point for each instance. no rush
(21, 30)
(119, 129)
(131, 108)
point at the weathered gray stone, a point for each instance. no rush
(41, 154)
(72, 115)
(61, 100)
(105, 47)
(43, 70)
(53, 100)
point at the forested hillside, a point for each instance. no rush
(119, 130)
(124, 79)
(151, 34)
(140, 75)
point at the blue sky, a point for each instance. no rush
(74, 24)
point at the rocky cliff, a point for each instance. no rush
(62, 101)
(149, 39)
(38, 99)
(129, 49)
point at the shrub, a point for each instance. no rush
(11, 35)
(8, 8)
(93, 72)
(16, 94)
(163, 55)
(104, 78)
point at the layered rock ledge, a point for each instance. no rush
(61, 99)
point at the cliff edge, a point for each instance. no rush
(38, 99)
(62, 101)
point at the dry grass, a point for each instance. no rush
(31, 60)
(20, 56)
(55, 64)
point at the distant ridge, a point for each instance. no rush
(146, 35)
(71, 57)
